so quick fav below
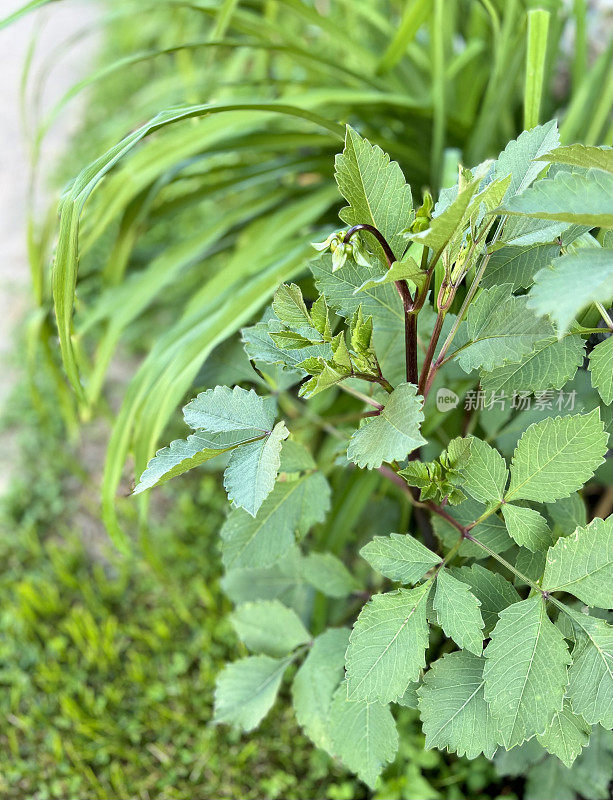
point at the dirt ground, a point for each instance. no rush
(59, 66)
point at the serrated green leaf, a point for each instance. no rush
(570, 284)
(453, 710)
(246, 690)
(550, 365)
(556, 456)
(289, 307)
(329, 376)
(260, 347)
(448, 226)
(364, 735)
(590, 688)
(361, 329)
(269, 627)
(375, 189)
(582, 564)
(601, 367)
(292, 506)
(518, 157)
(458, 612)
(320, 316)
(184, 454)
(315, 684)
(387, 645)
(527, 527)
(409, 699)
(493, 591)
(328, 574)
(289, 340)
(525, 672)
(295, 457)
(252, 470)
(484, 475)
(517, 265)
(399, 557)
(528, 231)
(393, 434)
(223, 409)
(342, 359)
(583, 199)
(581, 155)
(566, 736)
(405, 269)
(568, 513)
(499, 328)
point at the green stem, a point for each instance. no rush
(374, 379)
(361, 396)
(438, 325)
(603, 313)
(506, 564)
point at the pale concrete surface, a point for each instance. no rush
(60, 66)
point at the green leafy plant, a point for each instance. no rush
(187, 220)
(410, 307)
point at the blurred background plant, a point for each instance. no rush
(107, 662)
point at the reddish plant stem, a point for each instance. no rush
(425, 370)
(408, 303)
(410, 344)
